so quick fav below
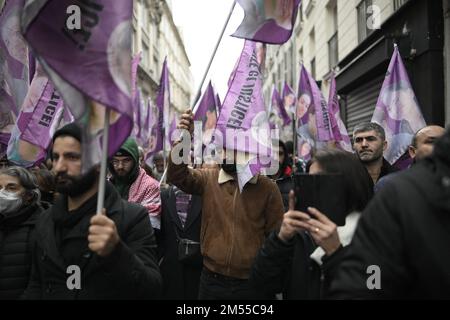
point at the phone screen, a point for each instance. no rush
(325, 192)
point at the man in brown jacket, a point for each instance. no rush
(234, 223)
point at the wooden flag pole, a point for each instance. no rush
(102, 181)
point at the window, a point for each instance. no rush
(333, 51)
(363, 17)
(300, 12)
(308, 5)
(333, 48)
(313, 68)
(312, 43)
(145, 55)
(279, 76)
(287, 66)
(399, 3)
(294, 64)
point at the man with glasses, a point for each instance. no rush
(133, 183)
(369, 143)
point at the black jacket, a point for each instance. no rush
(387, 169)
(405, 234)
(288, 268)
(181, 279)
(285, 185)
(130, 272)
(16, 233)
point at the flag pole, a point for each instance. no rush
(294, 142)
(102, 182)
(199, 90)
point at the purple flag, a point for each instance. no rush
(134, 69)
(173, 127)
(14, 71)
(233, 73)
(147, 125)
(313, 121)
(268, 21)
(90, 67)
(154, 130)
(243, 125)
(278, 108)
(397, 110)
(218, 103)
(163, 106)
(136, 96)
(338, 129)
(289, 99)
(37, 122)
(139, 116)
(207, 114)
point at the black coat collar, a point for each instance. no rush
(46, 226)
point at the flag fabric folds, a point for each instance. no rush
(289, 99)
(278, 110)
(38, 120)
(161, 128)
(14, 69)
(243, 123)
(338, 129)
(397, 109)
(313, 121)
(89, 67)
(207, 113)
(268, 21)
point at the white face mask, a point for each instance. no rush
(9, 202)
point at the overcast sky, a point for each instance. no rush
(201, 22)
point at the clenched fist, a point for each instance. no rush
(103, 236)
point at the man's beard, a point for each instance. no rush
(75, 186)
(122, 173)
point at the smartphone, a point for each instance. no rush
(325, 192)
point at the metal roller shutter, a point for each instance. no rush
(361, 103)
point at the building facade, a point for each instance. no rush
(156, 36)
(356, 39)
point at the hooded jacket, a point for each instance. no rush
(138, 187)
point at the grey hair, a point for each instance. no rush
(369, 126)
(26, 179)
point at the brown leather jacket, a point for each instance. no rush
(234, 224)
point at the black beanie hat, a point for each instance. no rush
(123, 153)
(71, 130)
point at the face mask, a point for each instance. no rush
(229, 168)
(9, 202)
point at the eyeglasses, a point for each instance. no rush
(125, 162)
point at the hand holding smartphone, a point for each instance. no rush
(325, 192)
